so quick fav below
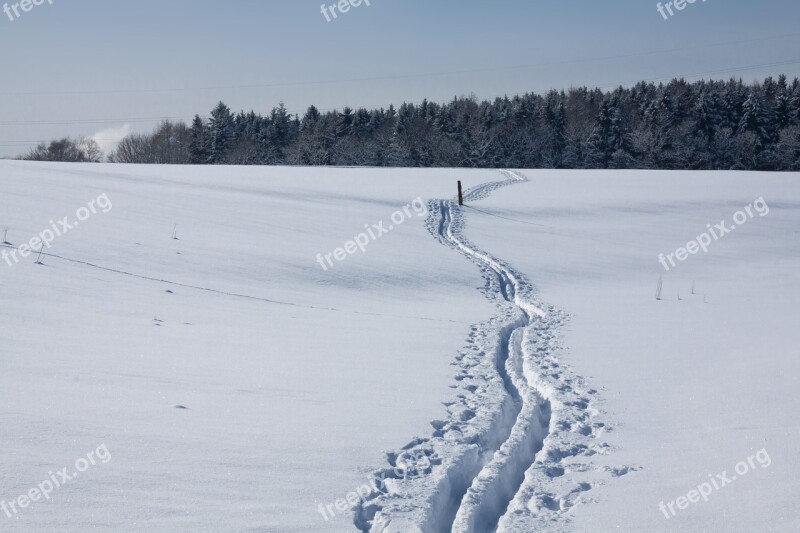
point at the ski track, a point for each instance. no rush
(47, 255)
(514, 452)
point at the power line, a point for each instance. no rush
(610, 85)
(154, 119)
(85, 121)
(710, 73)
(7, 143)
(401, 76)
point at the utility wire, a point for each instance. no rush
(153, 119)
(375, 106)
(402, 76)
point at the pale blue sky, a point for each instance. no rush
(67, 65)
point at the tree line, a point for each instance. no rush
(82, 150)
(704, 125)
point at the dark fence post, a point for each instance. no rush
(460, 194)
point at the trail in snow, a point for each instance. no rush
(46, 255)
(505, 459)
(487, 499)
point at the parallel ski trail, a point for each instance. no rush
(491, 491)
(497, 463)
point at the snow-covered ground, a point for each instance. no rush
(691, 387)
(237, 385)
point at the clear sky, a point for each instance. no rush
(86, 67)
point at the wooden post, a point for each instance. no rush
(460, 194)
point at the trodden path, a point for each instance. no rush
(512, 453)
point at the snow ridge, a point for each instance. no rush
(509, 456)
